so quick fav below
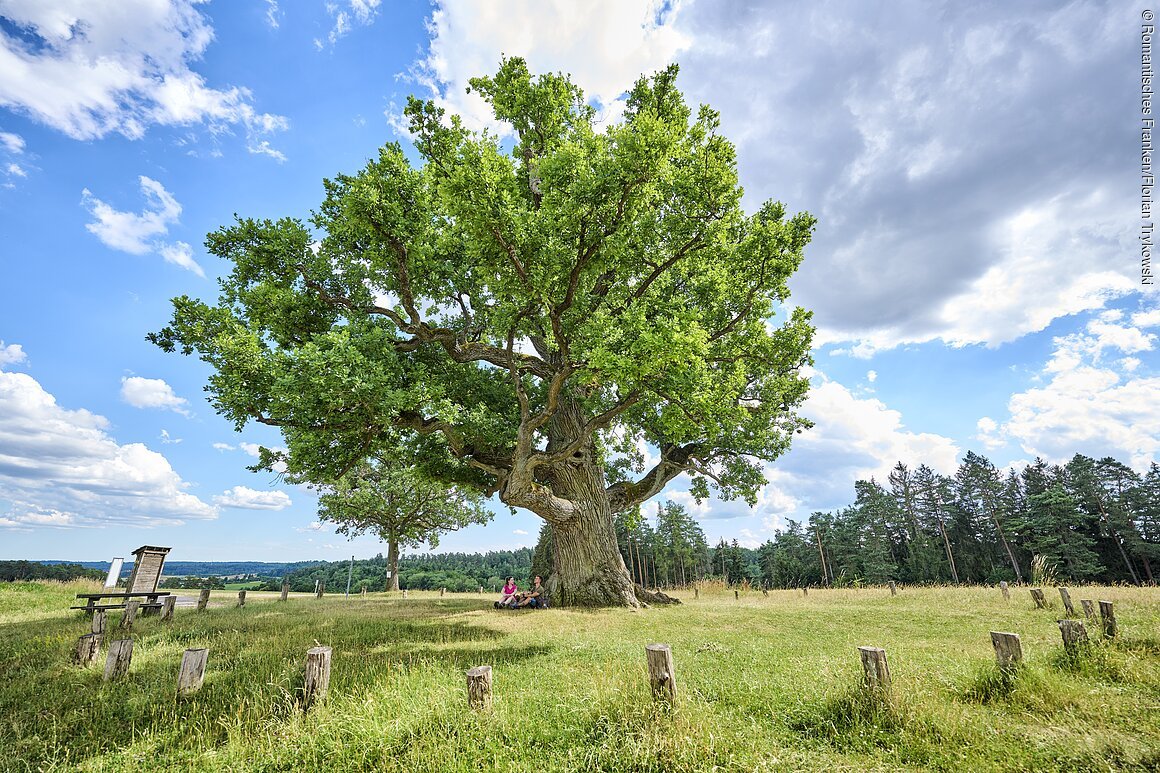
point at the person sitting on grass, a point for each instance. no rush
(509, 594)
(536, 597)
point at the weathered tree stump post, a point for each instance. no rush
(1074, 635)
(1108, 618)
(192, 673)
(364, 593)
(1040, 601)
(285, 588)
(404, 593)
(317, 676)
(696, 593)
(1089, 610)
(805, 591)
(1069, 610)
(1006, 591)
(88, 647)
(241, 598)
(202, 599)
(736, 595)
(661, 674)
(120, 655)
(479, 688)
(480, 590)
(98, 626)
(1008, 650)
(893, 588)
(442, 592)
(130, 614)
(875, 669)
(321, 589)
(167, 606)
(765, 592)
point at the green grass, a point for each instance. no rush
(764, 683)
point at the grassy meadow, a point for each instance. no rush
(764, 683)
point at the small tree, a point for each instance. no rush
(523, 321)
(398, 505)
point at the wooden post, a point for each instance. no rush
(99, 621)
(442, 591)
(88, 647)
(696, 593)
(317, 676)
(404, 593)
(319, 590)
(661, 674)
(117, 664)
(1069, 610)
(736, 595)
(875, 668)
(1074, 634)
(285, 588)
(805, 591)
(893, 588)
(130, 614)
(167, 605)
(1108, 618)
(1089, 610)
(479, 688)
(1040, 602)
(192, 673)
(241, 598)
(1008, 649)
(364, 592)
(202, 599)
(1006, 591)
(765, 592)
(480, 590)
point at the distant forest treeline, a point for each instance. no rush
(18, 571)
(1089, 521)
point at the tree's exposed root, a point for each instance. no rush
(647, 597)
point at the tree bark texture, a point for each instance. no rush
(192, 673)
(661, 674)
(317, 680)
(393, 563)
(1108, 618)
(120, 656)
(167, 605)
(875, 670)
(1040, 601)
(88, 647)
(202, 599)
(1069, 609)
(1008, 649)
(479, 688)
(1074, 635)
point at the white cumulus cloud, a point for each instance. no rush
(245, 498)
(138, 233)
(91, 69)
(12, 354)
(151, 393)
(61, 467)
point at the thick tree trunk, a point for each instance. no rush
(393, 562)
(589, 569)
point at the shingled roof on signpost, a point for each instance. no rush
(150, 559)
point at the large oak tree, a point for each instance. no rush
(531, 317)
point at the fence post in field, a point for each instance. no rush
(1074, 635)
(442, 591)
(1006, 591)
(364, 592)
(167, 605)
(202, 599)
(1040, 601)
(98, 626)
(1089, 610)
(404, 593)
(479, 688)
(241, 598)
(661, 675)
(317, 676)
(1067, 605)
(480, 590)
(320, 590)
(875, 669)
(88, 647)
(285, 588)
(1008, 650)
(893, 588)
(696, 593)
(120, 655)
(736, 595)
(1108, 618)
(130, 614)
(192, 673)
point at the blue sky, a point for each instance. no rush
(975, 275)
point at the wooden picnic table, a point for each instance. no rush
(92, 600)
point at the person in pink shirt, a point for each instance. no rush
(509, 593)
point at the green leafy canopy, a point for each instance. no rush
(493, 312)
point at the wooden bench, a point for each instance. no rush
(142, 584)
